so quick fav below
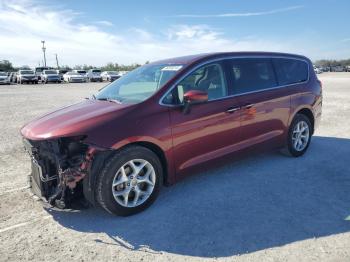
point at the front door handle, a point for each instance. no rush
(233, 109)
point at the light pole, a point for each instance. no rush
(44, 49)
(58, 67)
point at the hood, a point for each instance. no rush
(74, 120)
(77, 75)
(3, 77)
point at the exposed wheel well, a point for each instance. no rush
(308, 113)
(159, 152)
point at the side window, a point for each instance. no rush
(209, 78)
(252, 74)
(290, 71)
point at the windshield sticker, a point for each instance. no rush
(172, 68)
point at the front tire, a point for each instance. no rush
(130, 181)
(299, 135)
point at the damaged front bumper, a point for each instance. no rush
(58, 167)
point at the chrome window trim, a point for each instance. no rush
(235, 95)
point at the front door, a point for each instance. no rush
(210, 129)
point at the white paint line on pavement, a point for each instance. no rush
(2, 230)
(13, 190)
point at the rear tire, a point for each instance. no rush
(118, 169)
(299, 135)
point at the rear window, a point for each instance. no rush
(26, 72)
(290, 71)
(252, 74)
(50, 72)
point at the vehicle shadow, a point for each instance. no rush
(260, 202)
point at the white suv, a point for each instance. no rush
(26, 76)
(94, 75)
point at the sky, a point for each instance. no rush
(125, 32)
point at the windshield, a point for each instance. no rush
(139, 84)
(112, 73)
(26, 72)
(81, 72)
(50, 72)
(96, 71)
(40, 69)
(3, 74)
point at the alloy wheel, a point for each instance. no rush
(300, 136)
(133, 183)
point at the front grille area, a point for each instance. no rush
(44, 175)
(77, 79)
(58, 167)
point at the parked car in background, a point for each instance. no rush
(79, 71)
(61, 72)
(74, 77)
(39, 70)
(4, 78)
(26, 76)
(109, 76)
(157, 123)
(13, 77)
(317, 70)
(337, 69)
(52, 76)
(94, 75)
(121, 73)
(347, 68)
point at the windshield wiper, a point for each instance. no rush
(109, 99)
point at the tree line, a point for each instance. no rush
(6, 65)
(326, 62)
(109, 67)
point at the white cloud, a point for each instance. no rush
(186, 32)
(23, 24)
(104, 22)
(270, 12)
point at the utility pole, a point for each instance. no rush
(58, 67)
(44, 49)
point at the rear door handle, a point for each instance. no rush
(248, 106)
(233, 109)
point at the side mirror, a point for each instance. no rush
(192, 97)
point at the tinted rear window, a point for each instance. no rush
(252, 74)
(290, 71)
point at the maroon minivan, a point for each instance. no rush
(155, 124)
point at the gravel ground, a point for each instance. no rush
(266, 207)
